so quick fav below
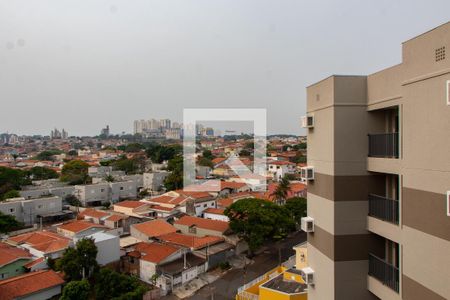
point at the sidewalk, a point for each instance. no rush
(194, 285)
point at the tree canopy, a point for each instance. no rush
(297, 208)
(80, 261)
(8, 223)
(175, 179)
(113, 285)
(48, 155)
(12, 179)
(75, 290)
(159, 153)
(281, 192)
(75, 172)
(257, 220)
(42, 173)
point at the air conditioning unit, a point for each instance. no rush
(448, 203)
(307, 173)
(307, 275)
(308, 121)
(307, 224)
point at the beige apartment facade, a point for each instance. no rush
(380, 148)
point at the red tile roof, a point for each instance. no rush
(214, 225)
(155, 252)
(217, 211)
(90, 212)
(190, 241)
(29, 283)
(130, 204)
(34, 262)
(44, 241)
(155, 228)
(79, 226)
(116, 217)
(9, 254)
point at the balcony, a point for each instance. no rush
(384, 145)
(383, 208)
(386, 273)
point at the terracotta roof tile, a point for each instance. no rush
(190, 241)
(130, 204)
(79, 226)
(29, 283)
(155, 228)
(90, 212)
(215, 225)
(155, 252)
(217, 211)
(9, 254)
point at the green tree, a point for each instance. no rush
(133, 147)
(281, 192)
(208, 154)
(109, 178)
(73, 152)
(48, 155)
(203, 161)
(79, 262)
(113, 285)
(12, 179)
(75, 290)
(244, 152)
(10, 194)
(159, 153)
(297, 208)
(75, 172)
(8, 223)
(124, 164)
(72, 200)
(42, 173)
(175, 179)
(257, 221)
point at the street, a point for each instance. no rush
(226, 286)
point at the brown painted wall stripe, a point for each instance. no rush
(412, 290)
(426, 211)
(346, 247)
(346, 188)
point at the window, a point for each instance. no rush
(121, 188)
(193, 230)
(102, 190)
(39, 206)
(212, 203)
(205, 205)
(11, 210)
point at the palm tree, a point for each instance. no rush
(281, 192)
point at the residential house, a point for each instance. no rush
(93, 194)
(41, 243)
(202, 227)
(148, 230)
(139, 209)
(79, 229)
(154, 181)
(44, 284)
(215, 214)
(12, 261)
(279, 168)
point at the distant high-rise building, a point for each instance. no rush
(105, 131)
(64, 134)
(164, 123)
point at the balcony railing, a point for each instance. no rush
(384, 145)
(384, 208)
(384, 272)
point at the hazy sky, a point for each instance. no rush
(84, 64)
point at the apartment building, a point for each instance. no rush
(378, 178)
(29, 211)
